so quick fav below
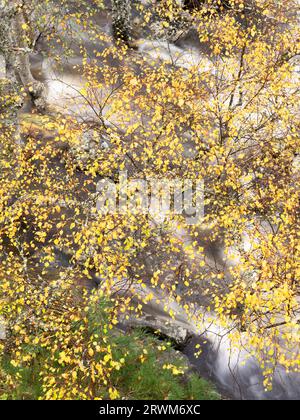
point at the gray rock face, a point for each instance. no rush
(121, 14)
(170, 328)
(92, 143)
(156, 316)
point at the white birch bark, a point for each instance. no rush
(15, 50)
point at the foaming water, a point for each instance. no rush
(236, 377)
(163, 51)
(235, 373)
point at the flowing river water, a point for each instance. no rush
(235, 375)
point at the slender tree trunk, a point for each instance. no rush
(10, 102)
(14, 47)
(35, 88)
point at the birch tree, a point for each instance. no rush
(15, 48)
